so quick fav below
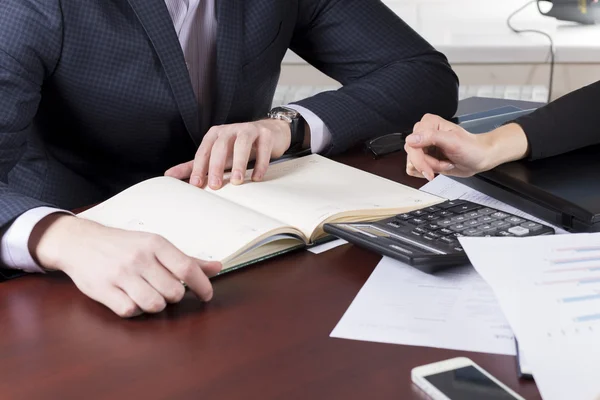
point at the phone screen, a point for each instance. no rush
(467, 383)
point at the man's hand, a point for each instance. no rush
(129, 272)
(439, 146)
(233, 146)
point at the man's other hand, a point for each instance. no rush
(129, 272)
(233, 146)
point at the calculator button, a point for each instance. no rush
(432, 209)
(418, 213)
(450, 204)
(515, 220)
(432, 217)
(432, 227)
(394, 224)
(445, 231)
(447, 240)
(420, 230)
(485, 219)
(486, 211)
(518, 231)
(430, 237)
(472, 232)
(458, 227)
(473, 214)
(458, 249)
(458, 218)
(403, 217)
(465, 208)
(457, 235)
(416, 233)
(417, 221)
(444, 213)
(504, 233)
(445, 222)
(500, 215)
(472, 223)
(532, 226)
(500, 224)
(487, 229)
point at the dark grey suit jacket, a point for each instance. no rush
(95, 95)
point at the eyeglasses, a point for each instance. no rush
(393, 142)
(386, 144)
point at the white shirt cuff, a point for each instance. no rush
(320, 137)
(14, 243)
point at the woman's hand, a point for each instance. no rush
(437, 146)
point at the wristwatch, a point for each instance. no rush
(296, 122)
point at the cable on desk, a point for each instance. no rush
(552, 53)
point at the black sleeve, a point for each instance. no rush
(391, 76)
(30, 46)
(568, 123)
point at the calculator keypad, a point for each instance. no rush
(429, 238)
(441, 225)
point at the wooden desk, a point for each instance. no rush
(264, 336)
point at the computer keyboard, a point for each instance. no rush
(428, 238)
(286, 94)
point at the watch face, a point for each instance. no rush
(285, 112)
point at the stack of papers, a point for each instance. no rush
(549, 290)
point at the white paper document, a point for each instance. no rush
(450, 189)
(549, 290)
(327, 246)
(454, 309)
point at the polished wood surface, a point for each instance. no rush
(265, 335)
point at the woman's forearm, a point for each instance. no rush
(505, 144)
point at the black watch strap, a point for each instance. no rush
(298, 129)
(297, 125)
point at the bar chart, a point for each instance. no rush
(571, 275)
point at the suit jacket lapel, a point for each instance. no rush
(155, 19)
(230, 18)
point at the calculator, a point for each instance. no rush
(428, 238)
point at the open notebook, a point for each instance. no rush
(242, 224)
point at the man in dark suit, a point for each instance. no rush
(96, 96)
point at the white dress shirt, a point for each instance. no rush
(196, 26)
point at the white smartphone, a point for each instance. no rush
(460, 379)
